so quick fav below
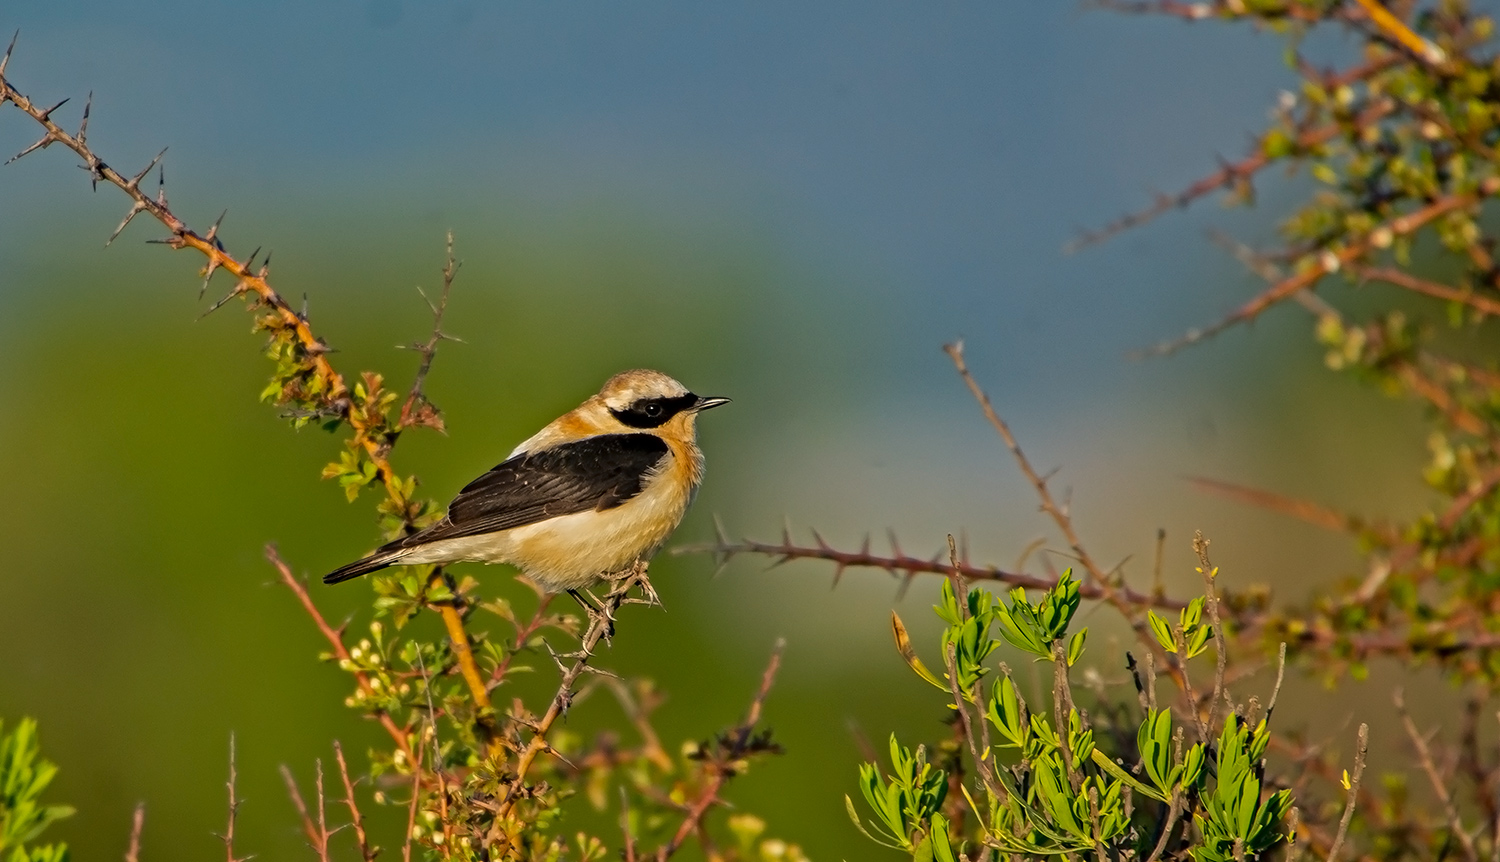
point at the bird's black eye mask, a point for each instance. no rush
(654, 412)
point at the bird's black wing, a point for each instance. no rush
(594, 473)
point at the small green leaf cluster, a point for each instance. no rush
(23, 816)
(1235, 820)
(905, 802)
(1042, 786)
(1191, 633)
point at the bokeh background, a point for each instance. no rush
(791, 204)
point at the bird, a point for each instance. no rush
(593, 493)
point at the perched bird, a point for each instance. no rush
(599, 489)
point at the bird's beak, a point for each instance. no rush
(707, 403)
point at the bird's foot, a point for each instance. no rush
(621, 583)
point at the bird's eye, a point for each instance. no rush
(653, 409)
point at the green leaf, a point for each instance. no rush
(1161, 631)
(1075, 646)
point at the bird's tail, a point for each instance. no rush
(372, 563)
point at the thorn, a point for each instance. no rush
(895, 545)
(905, 585)
(45, 142)
(864, 546)
(208, 273)
(303, 313)
(136, 181)
(47, 114)
(5, 61)
(250, 264)
(838, 573)
(818, 538)
(720, 533)
(161, 185)
(213, 229)
(135, 209)
(265, 267)
(238, 289)
(83, 127)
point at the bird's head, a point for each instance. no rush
(644, 400)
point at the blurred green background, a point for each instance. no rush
(791, 206)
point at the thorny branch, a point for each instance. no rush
(601, 625)
(333, 389)
(721, 763)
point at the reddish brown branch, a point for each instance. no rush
(137, 823)
(902, 565)
(1327, 263)
(721, 766)
(360, 838)
(1226, 177)
(1436, 290)
(335, 640)
(1302, 510)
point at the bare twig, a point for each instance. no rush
(1302, 510)
(367, 852)
(1353, 790)
(739, 742)
(1129, 604)
(1221, 650)
(317, 833)
(1435, 778)
(234, 810)
(1436, 290)
(1228, 176)
(1329, 262)
(137, 823)
(966, 726)
(417, 409)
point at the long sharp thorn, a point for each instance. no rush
(208, 273)
(895, 545)
(905, 585)
(46, 141)
(220, 304)
(720, 534)
(47, 114)
(265, 266)
(786, 531)
(250, 263)
(135, 210)
(161, 185)
(303, 315)
(818, 538)
(213, 230)
(5, 61)
(83, 127)
(136, 180)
